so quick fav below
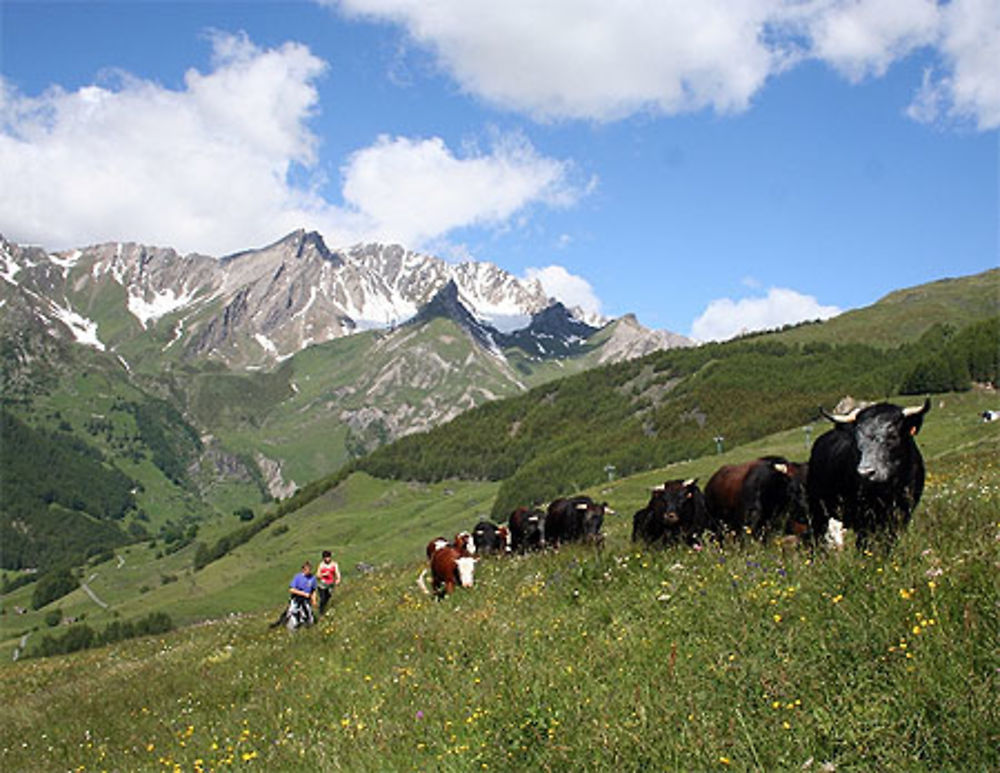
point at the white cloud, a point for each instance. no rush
(725, 318)
(414, 190)
(968, 87)
(200, 168)
(592, 59)
(862, 38)
(602, 61)
(570, 289)
(209, 167)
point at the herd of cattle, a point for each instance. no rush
(865, 474)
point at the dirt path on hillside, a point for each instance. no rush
(89, 592)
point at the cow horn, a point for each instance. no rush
(690, 482)
(841, 418)
(916, 410)
(781, 467)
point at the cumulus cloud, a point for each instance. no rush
(725, 318)
(592, 59)
(601, 61)
(210, 167)
(863, 38)
(414, 190)
(203, 167)
(572, 290)
(966, 86)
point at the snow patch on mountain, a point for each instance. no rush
(84, 330)
(150, 305)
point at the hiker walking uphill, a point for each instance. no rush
(327, 578)
(303, 595)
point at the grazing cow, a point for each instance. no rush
(527, 529)
(575, 518)
(867, 472)
(463, 541)
(490, 538)
(676, 512)
(449, 566)
(762, 496)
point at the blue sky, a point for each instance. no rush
(711, 167)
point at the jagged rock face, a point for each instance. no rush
(258, 307)
(553, 332)
(630, 340)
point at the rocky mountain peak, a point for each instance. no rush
(257, 307)
(446, 303)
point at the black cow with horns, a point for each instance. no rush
(527, 529)
(676, 512)
(867, 473)
(572, 519)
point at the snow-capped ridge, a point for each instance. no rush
(260, 306)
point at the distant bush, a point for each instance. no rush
(98, 554)
(52, 586)
(18, 581)
(80, 637)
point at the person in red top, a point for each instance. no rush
(327, 578)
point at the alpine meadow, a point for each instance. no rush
(139, 614)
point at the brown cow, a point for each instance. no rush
(759, 497)
(450, 565)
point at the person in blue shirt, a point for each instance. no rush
(302, 590)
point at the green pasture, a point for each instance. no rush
(384, 523)
(743, 658)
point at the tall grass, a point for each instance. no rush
(748, 657)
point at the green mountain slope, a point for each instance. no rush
(667, 407)
(385, 523)
(905, 315)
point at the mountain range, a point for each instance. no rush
(248, 375)
(259, 307)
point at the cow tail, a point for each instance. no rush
(422, 582)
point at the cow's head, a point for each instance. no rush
(883, 434)
(593, 517)
(533, 527)
(465, 543)
(503, 533)
(672, 500)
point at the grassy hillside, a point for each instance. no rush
(747, 658)
(904, 315)
(667, 407)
